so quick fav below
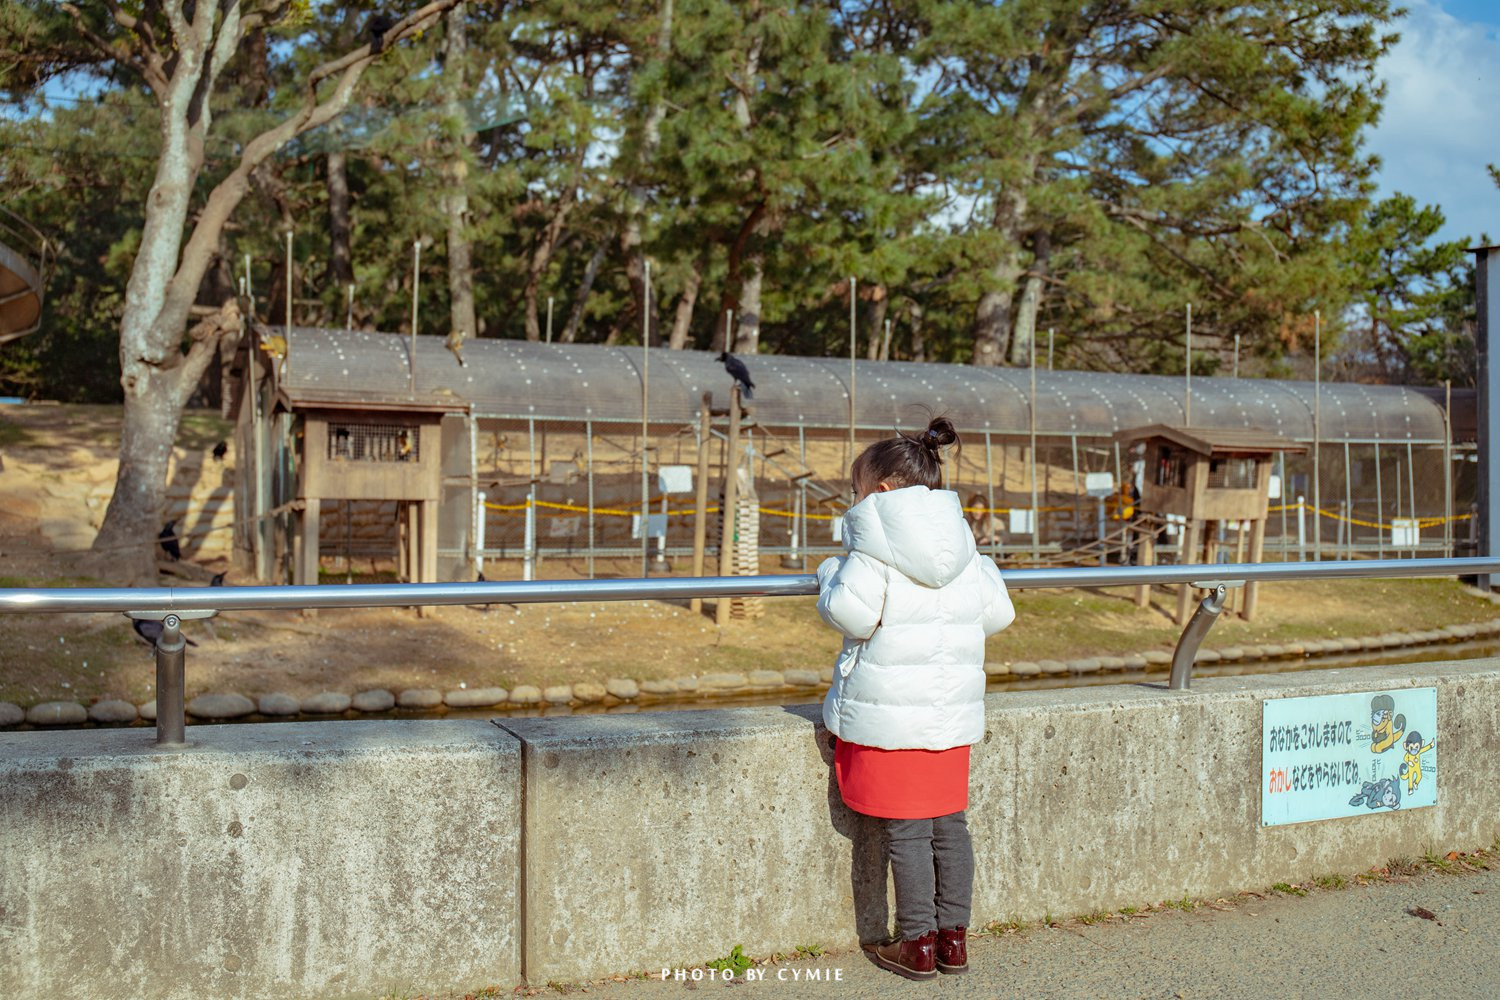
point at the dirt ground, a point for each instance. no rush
(56, 458)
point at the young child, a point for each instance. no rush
(914, 600)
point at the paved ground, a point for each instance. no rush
(1359, 941)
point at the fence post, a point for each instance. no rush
(529, 565)
(1301, 528)
(479, 525)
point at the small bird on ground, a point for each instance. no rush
(736, 368)
(151, 631)
(218, 580)
(168, 535)
(221, 449)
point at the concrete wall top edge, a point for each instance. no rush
(648, 728)
(659, 727)
(1293, 684)
(345, 738)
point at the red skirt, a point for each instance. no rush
(902, 784)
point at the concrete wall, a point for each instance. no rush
(295, 860)
(354, 859)
(696, 831)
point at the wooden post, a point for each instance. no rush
(731, 500)
(1239, 557)
(427, 566)
(1145, 556)
(307, 555)
(700, 503)
(1192, 534)
(1252, 589)
(402, 561)
(413, 542)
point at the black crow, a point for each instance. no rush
(221, 449)
(151, 631)
(218, 580)
(168, 535)
(377, 27)
(736, 368)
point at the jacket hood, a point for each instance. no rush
(920, 532)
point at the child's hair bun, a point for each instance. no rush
(939, 434)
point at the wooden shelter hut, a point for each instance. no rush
(1204, 476)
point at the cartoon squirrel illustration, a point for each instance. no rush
(1386, 726)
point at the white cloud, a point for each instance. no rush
(1441, 123)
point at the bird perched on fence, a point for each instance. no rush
(151, 631)
(218, 580)
(168, 536)
(455, 343)
(736, 368)
(221, 449)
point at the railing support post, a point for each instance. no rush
(1192, 637)
(171, 652)
(171, 669)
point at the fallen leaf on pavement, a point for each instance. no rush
(1425, 914)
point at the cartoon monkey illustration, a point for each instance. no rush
(1384, 793)
(1386, 726)
(1411, 761)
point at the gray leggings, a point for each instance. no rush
(932, 862)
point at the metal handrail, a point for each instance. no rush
(394, 595)
(170, 605)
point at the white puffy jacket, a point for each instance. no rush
(914, 600)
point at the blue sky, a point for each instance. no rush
(1441, 123)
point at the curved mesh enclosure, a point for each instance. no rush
(551, 435)
(519, 379)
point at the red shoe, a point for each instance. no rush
(953, 951)
(915, 959)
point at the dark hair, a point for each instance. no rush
(908, 459)
(1413, 737)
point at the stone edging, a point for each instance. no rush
(626, 694)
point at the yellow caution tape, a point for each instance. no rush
(1422, 522)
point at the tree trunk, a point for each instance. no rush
(581, 299)
(918, 338)
(878, 310)
(127, 539)
(167, 272)
(992, 318)
(630, 232)
(456, 199)
(747, 321)
(340, 248)
(541, 256)
(682, 319)
(1024, 338)
(744, 261)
